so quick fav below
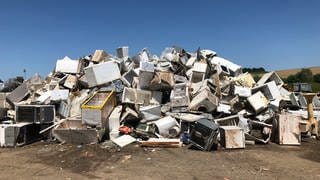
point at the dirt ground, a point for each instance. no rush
(43, 160)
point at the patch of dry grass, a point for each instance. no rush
(288, 72)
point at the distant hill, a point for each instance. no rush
(287, 72)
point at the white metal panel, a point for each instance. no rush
(9, 134)
(271, 76)
(114, 119)
(221, 61)
(146, 66)
(123, 52)
(2, 135)
(270, 90)
(225, 108)
(99, 55)
(75, 103)
(200, 67)
(258, 101)
(91, 116)
(124, 140)
(64, 109)
(67, 65)
(70, 81)
(102, 73)
(136, 96)
(289, 129)
(242, 91)
(59, 94)
(232, 137)
(164, 124)
(151, 112)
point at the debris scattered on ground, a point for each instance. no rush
(179, 97)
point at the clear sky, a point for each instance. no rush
(275, 34)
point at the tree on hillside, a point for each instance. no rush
(292, 79)
(305, 75)
(316, 78)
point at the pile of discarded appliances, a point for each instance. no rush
(178, 98)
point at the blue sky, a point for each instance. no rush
(275, 35)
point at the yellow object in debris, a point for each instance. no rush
(99, 99)
(313, 123)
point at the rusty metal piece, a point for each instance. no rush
(313, 123)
